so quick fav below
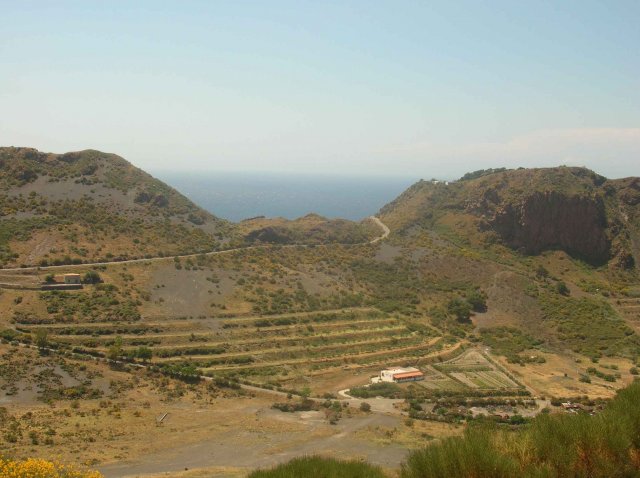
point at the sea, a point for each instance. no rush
(236, 196)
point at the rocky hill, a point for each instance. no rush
(530, 210)
(88, 206)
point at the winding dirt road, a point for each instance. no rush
(385, 233)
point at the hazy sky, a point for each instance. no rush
(425, 89)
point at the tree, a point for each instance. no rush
(477, 300)
(41, 338)
(562, 289)
(144, 353)
(50, 278)
(542, 272)
(115, 351)
(461, 309)
(305, 393)
(92, 277)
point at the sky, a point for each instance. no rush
(402, 88)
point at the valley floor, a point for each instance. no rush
(231, 452)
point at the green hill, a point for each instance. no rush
(530, 210)
(90, 206)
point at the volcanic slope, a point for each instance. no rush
(530, 210)
(554, 253)
(90, 206)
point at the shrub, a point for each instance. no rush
(318, 467)
(92, 277)
(41, 338)
(37, 468)
(562, 289)
(459, 308)
(558, 445)
(477, 300)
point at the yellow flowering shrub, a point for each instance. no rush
(38, 468)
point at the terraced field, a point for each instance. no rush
(629, 308)
(271, 348)
(470, 370)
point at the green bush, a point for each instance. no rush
(557, 445)
(460, 309)
(318, 467)
(562, 289)
(382, 389)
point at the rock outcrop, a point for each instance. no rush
(552, 220)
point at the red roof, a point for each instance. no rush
(407, 375)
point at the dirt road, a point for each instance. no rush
(385, 230)
(385, 233)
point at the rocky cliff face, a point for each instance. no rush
(552, 220)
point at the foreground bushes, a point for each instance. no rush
(602, 446)
(36, 468)
(551, 446)
(317, 467)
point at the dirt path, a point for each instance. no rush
(385, 234)
(378, 404)
(385, 230)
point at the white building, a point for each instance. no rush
(400, 374)
(72, 279)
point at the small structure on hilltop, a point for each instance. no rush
(400, 374)
(72, 278)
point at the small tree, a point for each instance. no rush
(144, 353)
(461, 309)
(92, 277)
(478, 300)
(542, 272)
(562, 289)
(41, 338)
(305, 393)
(365, 407)
(115, 351)
(50, 278)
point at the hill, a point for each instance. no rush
(554, 250)
(530, 210)
(310, 229)
(90, 206)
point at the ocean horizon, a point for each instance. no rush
(236, 196)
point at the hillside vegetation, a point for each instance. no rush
(310, 229)
(605, 445)
(551, 446)
(530, 210)
(91, 206)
